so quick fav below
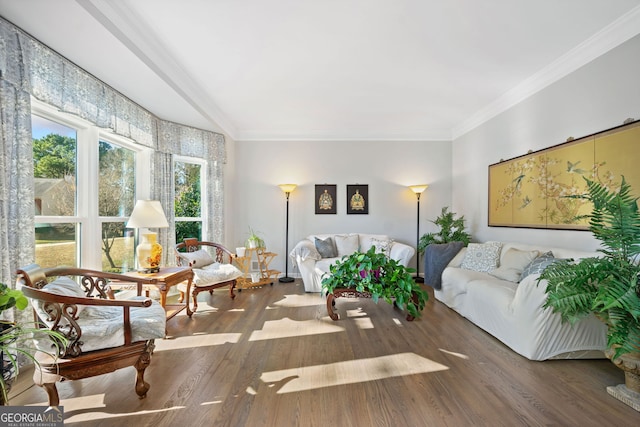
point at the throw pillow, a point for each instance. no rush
(482, 256)
(538, 265)
(61, 286)
(513, 263)
(326, 248)
(506, 273)
(383, 246)
(346, 244)
(198, 259)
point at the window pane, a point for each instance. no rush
(118, 248)
(187, 201)
(56, 245)
(188, 229)
(116, 181)
(54, 163)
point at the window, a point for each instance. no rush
(116, 197)
(189, 180)
(55, 171)
(85, 189)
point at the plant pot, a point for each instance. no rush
(629, 392)
(240, 252)
(8, 369)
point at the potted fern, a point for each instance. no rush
(16, 339)
(375, 275)
(607, 286)
(451, 230)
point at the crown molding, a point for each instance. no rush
(611, 36)
(353, 136)
(125, 25)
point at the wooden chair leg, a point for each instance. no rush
(231, 287)
(52, 392)
(194, 294)
(141, 364)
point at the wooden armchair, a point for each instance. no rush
(103, 334)
(212, 268)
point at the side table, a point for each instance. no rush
(163, 281)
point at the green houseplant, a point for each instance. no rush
(254, 241)
(16, 339)
(607, 286)
(379, 275)
(451, 230)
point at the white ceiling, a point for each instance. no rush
(330, 69)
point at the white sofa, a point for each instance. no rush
(313, 265)
(512, 311)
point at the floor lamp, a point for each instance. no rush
(418, 189)
(287, 188)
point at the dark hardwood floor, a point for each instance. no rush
(272, 357)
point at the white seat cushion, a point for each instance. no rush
(215, 273)
(102, 327)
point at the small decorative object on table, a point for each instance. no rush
(373, 275)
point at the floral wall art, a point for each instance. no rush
(531, 190)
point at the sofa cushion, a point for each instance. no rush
(538, 265)
(382, 245)
(326, 247)
(482, 256)
(322, 266)
(346, 244)
(197, 259)
(512, 263)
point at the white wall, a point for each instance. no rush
(598, 96)
(387, 167)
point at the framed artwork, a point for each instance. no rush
(325, 201)
(530, 190)
(358, 199)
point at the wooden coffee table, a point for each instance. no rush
(163, 281)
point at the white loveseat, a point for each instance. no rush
(511, 308)
(313, 265)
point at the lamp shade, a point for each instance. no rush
(147, 214)
(287, 188)
(419, 188)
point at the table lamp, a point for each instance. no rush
(148, 214)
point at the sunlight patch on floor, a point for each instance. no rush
(194, 341)
(92, 416)
(350, 372)
(358, 312)
(364, 322)
(460, 355)
(306, 300)
(286, 327)
(88, 408)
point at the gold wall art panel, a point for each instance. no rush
(530, 190)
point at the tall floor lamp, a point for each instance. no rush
(287, 188)
(418, 189)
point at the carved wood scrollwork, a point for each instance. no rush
(64, 318)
